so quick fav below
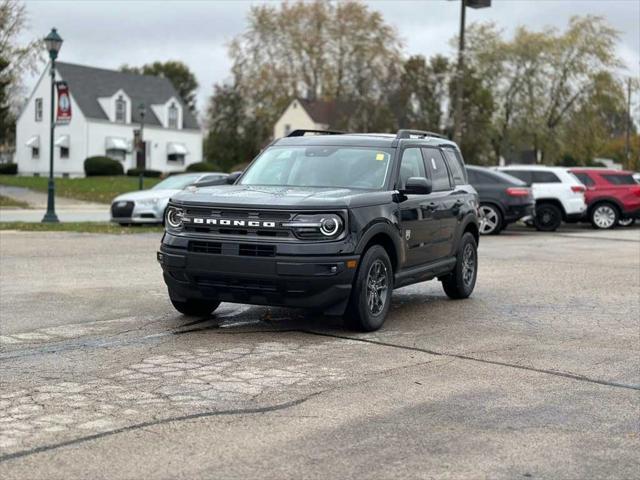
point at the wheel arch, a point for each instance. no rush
(555, 202)
(601, 200)
(384, 235)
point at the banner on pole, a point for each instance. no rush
(64, 103)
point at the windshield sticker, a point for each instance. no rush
(380, 156)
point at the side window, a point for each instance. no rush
(472, 176)
(487, 178)
(544, 177)
(455, 166)
(584, 178)
(437, 170)
(412, 165)
(523, 175)
(618, 179)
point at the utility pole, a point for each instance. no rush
(627, 141)
(457, 117)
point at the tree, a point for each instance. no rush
(317, 50)
(15, 58)
(538, 79)
(182, 79)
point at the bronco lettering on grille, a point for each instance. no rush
(230, 223)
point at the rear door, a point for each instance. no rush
(443, 206)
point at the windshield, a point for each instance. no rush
(320, 166)
(177, 182)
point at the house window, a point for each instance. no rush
(38, 109)
(287, 129)
(173, 116)
(35, 152)
(64, 152)
(177, 158)
(117, 154)
(121, 110)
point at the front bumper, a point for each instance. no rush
(322, 282)
(136, 212)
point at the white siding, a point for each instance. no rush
(296, 117)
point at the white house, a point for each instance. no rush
(105, 114)
(305, 114)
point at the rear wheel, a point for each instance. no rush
(626, 222)
(371, 296)
(461, 282)
(195, 308)
(604, 216)
(490, 219)
(548, 217)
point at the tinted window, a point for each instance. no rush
(619, 179)
(584, 178)
(487, 178)
(455, 166)
(437, 170)
(472, 176)
(544, 177)
(412, 166)
(523, 175)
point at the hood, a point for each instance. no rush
(145, 194)
(281, 197)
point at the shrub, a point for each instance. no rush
(8, 169)
(135, 172)
(202, 167)
(102, 166)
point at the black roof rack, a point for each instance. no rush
(417, 133)
(303, 132)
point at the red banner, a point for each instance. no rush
(64, 103)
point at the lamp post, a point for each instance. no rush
(53, 41)
(142, 110)
(457, 118)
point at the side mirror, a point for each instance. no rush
(418, 186)
(231, 179)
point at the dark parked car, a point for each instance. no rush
(503, 199)
(332, 222)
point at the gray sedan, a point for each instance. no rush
(148, 206)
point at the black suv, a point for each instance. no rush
(328, 221)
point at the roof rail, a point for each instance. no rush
(417, 133)
(302, 132)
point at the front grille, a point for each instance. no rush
(209, 214)
(244, 249)
(121, 209)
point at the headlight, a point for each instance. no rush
(147, 201)
(324, 226)
(173, 217)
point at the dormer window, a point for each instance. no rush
(173, 116)
(121, 110)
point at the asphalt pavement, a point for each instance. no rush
(536, 376)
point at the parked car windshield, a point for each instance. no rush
(177, 182)
(320, 166)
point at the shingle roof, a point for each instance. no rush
(319, 110)
(87, 84)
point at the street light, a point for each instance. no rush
(142, 110)
(53, 41)
(457, 119)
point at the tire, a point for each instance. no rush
(491, 221)
(604, 216)
(548, 217)
(461, 282)
(626, 222)
(371, 295)
(195, 308)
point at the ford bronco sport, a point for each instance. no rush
(328, 221)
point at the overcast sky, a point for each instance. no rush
(110, 33)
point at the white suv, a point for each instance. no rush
(558, 193)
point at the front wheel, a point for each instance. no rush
(195, 308)
(371, 295)
(490, 219)
(548, 217)
(461, 282)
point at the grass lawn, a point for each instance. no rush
(10, 202)
(81, 227)
(92, 189)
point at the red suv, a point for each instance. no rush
(613, 196)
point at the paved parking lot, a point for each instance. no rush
(536, 376)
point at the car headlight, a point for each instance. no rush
(323, 226)
(147, 201)
(173, 217)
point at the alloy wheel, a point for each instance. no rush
(468, 264)
(604, 216)
(625, 222)
(377, 287)
(489, 219)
